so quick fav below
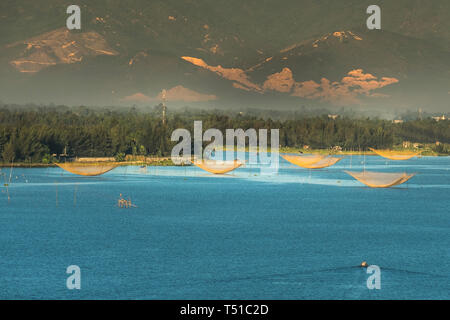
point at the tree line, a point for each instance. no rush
(36, 134)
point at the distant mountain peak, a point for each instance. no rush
(177, 93)
(332, 36)
(59, 46)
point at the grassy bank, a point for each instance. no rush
(426, 151)
(423, 152)
(166, 161)
(158, 162)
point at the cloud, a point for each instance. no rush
(346, 91)
(233, 74)
(305, 89)
(281, 81)
(178, 93)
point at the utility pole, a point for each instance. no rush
(163, 97)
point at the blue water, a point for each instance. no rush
(295, 235)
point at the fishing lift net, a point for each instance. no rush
(395, 155)
(303, 161)
(312, 162)
(88, 169)
(324, 163)
(380, 179)
(218, 166)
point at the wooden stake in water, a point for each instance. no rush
(351, 157)
(9, 182)
(75, 195)
(56, 184)
(6, 185)
(10, 172)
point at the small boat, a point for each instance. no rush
(123, 203)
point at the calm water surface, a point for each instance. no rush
(295, 235)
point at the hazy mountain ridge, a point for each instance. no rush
(147, 40)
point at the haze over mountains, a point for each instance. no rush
(230, 54)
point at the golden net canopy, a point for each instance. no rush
(311, 161)
(303, 161)
(218, 166)
(324, 163)
(88, 168)
(395, 155)
(380, 179)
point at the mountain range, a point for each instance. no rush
(227, 54)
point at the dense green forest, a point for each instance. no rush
(34, 134)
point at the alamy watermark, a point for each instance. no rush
(73, 22)
(374, 280)
(74, 280)
(374, 20)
